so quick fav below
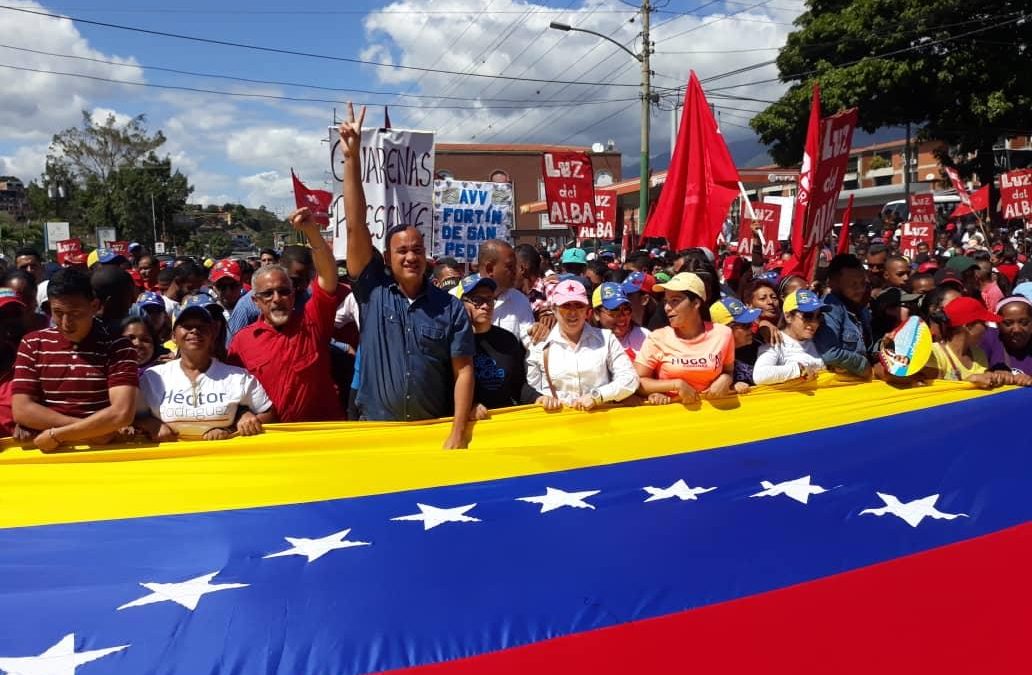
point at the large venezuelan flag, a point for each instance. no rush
(852, 528)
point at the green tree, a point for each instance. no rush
(113, 173)
(17, 233)
(957, 69)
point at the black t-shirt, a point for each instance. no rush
(500, 368)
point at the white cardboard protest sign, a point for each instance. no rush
(398, 179)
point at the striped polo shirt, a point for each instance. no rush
(73, 379)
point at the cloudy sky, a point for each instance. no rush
(238, 139)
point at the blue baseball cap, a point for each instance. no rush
(1024, 288)
(609, 295)
(196, 305)
(803, 300)
(150, 299)
(575, 256)
(107, 256)
(772, 276)
(732, 310)
(473, 281)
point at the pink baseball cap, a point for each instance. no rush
(569, 291)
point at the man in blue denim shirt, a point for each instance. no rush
(416, 339)
(844, 338)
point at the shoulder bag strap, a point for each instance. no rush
(548, 376)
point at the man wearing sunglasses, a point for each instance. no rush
(416, 342)
(289, 351)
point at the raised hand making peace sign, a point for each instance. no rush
(351, 133)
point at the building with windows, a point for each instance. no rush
(13, 199)
(521, 165)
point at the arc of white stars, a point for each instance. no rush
(184, 593)
(555, 498)
(60, 659)
(679, 489)
(912, 512)
(313, 549)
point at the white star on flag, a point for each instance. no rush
(186, 593)
(433, 516)
(799, 489)
(912, 513)
(679, 489)
(556, 499)
(313, 549)
(61, 659)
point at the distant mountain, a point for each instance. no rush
(750, 152)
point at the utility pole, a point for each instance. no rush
(646, 101)
(154, 222)
(906, 169)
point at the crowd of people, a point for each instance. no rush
(136, 348)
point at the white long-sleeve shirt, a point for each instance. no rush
(597, 361)
(780, 363)
(512, 312)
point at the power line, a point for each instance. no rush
(290, 52)
(279, 83)
(598, 122)
(894, 52)
(274, 97)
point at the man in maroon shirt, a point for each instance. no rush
(290, 353)
(73, 382)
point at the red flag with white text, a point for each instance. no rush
(828, 143)
(318, 201)
(701, 183)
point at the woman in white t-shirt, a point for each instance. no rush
(196, 395)
(795, 357)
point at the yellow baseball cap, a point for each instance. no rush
(685, 281)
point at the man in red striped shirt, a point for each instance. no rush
(74, 382)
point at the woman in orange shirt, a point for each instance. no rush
(691, 356)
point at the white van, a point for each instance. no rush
(944, 205)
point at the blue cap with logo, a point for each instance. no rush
(609, 295)
(803, 300)
(732, 310)
(150, 299)
(198, 305)
(107, 256)
(469, 283)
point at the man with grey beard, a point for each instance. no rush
(288, 352)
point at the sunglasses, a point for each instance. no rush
(282, 291)
(479, 302)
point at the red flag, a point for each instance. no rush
(976, 201)
(828, 142)
(807, 175)
(318, 201)
(701, 183)
(843, 237)
(958, 185)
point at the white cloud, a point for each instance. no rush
(507, 42)
(26, 162)
(35, 105)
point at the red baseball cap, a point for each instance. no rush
(962, 311)
(8, 297)
(226, 269)
(929, 266)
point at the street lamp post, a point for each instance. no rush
(646, 100)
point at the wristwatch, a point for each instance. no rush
(596, 395)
